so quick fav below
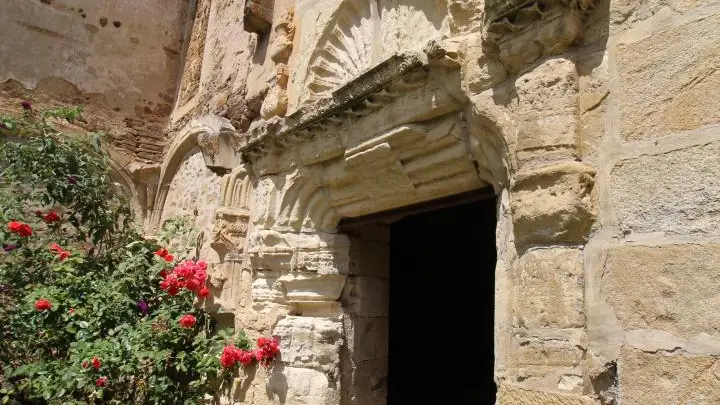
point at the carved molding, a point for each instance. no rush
(217, 140)
(276, 101)
(519, 32)
(371, 91)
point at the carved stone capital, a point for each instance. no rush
(520, 32)
(216, 138)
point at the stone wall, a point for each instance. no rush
(593, 122)
(118, 59)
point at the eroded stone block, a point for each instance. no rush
(553, 204)
(655, 378)
(310, 341)
(549, 289)
(366, 296)
(547, 111)
(670, 288)
(301, 386)
(675, 192)
(512, 395)
(670, 80)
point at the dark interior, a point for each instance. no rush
(442, 276)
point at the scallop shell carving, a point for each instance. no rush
(344, 50)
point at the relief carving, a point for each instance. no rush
(216, 138)
(276, 101)
(521, 32)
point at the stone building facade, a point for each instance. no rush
(592, 123)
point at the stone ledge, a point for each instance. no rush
(512, 395)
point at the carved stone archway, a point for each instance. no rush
(401, 133)
(215, 137)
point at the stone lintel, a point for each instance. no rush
(379, 86)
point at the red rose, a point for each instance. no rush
(85, 364)
(162, 252)
(38, 213)
(228, 357)
(42, 305)
(96, 363)
(245, 357)
(204, 292)
(163, 273)
(51, 217)
(101, 382)
(262, 341)
(169, 258)
(20, 228)
(187, 321)
(61, 253)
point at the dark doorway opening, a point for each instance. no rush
(442, 296)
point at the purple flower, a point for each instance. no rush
(26, 105)
(142, 306)
(9, 248)
(72, 179)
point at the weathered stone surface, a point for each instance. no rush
(549, 289)
(366, 296)
(511, 395)
(675, 192)
(309, 341)
(367, 338)
(592, 101)
(669, 80)
(647, 378)
(547, 112)
(553, 204)
(301, 386)
(668, 288)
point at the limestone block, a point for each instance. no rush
(310, 341)
(675, 192)
(367, 338)
(369, 258)
(511, 395)
(547, 111)
(670, 79)
(265, 287)
(549, 289)
(670, 288)
(549, 350)
(653, 378)
(301, 386)
(366, 296)
(368, 383)
(592, 101)
(305, 286)
(553, 204)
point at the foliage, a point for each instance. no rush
(84, 320)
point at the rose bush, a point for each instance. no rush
(92, 313)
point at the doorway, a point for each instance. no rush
(441, 306)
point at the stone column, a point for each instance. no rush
(298, 278)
